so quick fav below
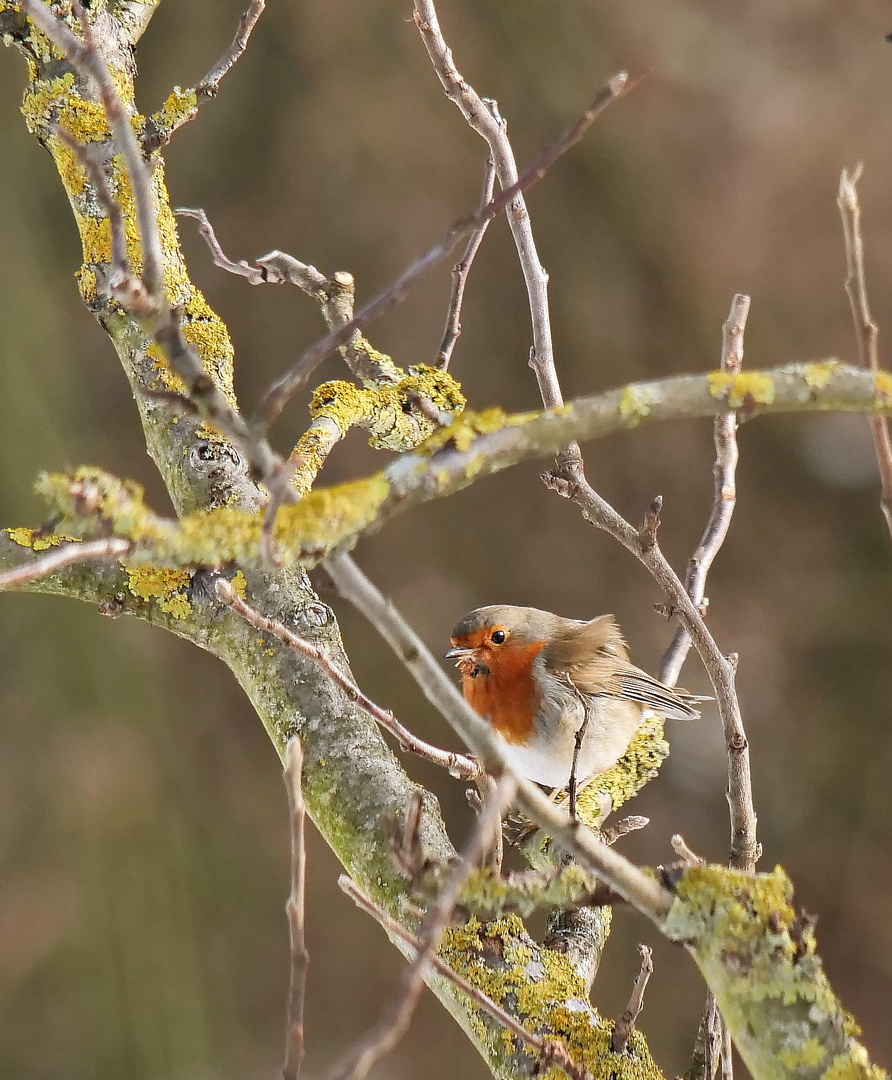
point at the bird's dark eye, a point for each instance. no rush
(498, 637)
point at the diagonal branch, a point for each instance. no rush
(462, 268)
(550, 1051)
(69, 555)
(458, 765)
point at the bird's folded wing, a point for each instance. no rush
(674, 704)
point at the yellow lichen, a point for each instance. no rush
(240, 584)
(461, 434)
(168, 587)
(634, 404)
(622, 781)
(884, 387)
(759, 959)
(304, 532)
(545, 989)
(38, 541)
(818, 375)
(738, 388)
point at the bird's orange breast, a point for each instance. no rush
(508, 695)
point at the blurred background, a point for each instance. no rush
(143, 832)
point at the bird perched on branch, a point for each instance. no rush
(561, 693)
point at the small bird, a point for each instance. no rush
(561, 693)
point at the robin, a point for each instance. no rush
(561, 693)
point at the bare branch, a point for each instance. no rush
(275, 398)
(300, 958)
(684, 853)
(211, 82)
(458, 765)
(254, 274)
(551, 1051)
(490, 127)
(160, 127)
(707, 1047)
(571, 483)
(393, 1025)
(618, 829)
(866, 330)
(626, 1023)
(462, 268)
(724, 491)
(64, 556)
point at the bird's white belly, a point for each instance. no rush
(547, 756)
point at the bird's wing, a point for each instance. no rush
(589, 654)
(664, 700)
(595, 658)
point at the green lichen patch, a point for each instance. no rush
(738, 389)
(387, 410)
(488, 894)
(37, 540)
(884, 388)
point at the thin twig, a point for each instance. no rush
(625, 1025)
(64, 556)
(210, 83)
(462, 268)
(254, 274)
(395, 1021)
(616, 830)
(745, 850)
(276, 397)
(707, 1047)
(724, 491)
(300, 958)
(866, 330)
(643, 892)
(493, 129)
(681, 849)
(458, 765)
(160, 133)
(87, 155)
(647, 534)
(552, 1052)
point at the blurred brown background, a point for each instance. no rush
(143, 836)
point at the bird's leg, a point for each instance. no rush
(572, 786)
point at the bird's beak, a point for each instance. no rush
(459, 654)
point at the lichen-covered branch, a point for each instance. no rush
(758, 957)
(476, 445)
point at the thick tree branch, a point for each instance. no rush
(474, 447)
